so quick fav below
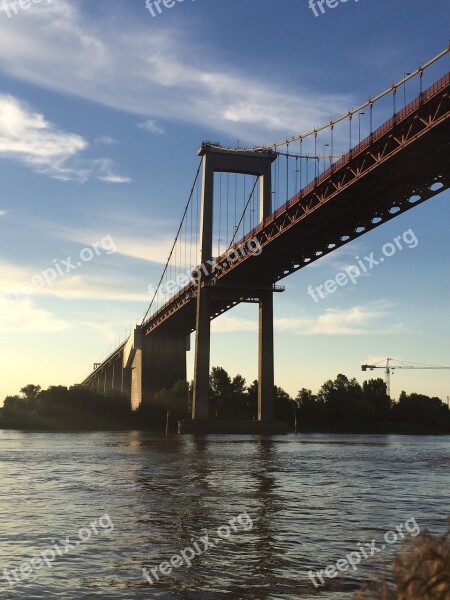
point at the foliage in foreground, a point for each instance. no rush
(420, 571)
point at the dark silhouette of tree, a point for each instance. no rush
(169, 405)
(335, 395)
(227, 396)
(237, 407)
(357, 410)
(284, 405)
(15, 406)
(219, 391)
(374, 392)
(338, 405)
(61, 408)
(31, 392)
(310, 409)
(117, 404)
(417, 408)
(251, 400)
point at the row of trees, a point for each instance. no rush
(340, 404)
(346, 401)
(60, 407)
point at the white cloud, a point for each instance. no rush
(115, 179)
(82, 285)
(153, 72)
(27, 136)
(105, 139)
(150, 243)
(98, 288)
(104, 170)
(109, 331)
(357, 320)
(22, 316)
(150, 125)
(228, 324)
(30, 138)
(144, 238)
(2, 213)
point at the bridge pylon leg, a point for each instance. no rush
(265, 359)
(200, 402)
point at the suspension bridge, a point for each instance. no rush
(256, 215)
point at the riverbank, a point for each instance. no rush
(138, 424)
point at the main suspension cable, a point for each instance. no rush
(175, 241)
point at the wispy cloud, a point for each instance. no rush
(230, 324)
(357, 320)
(23, 316)
(135, 236)
(2, 213)
(27, 136)
(150, 125)
(104, 170)
(150, 242)
(105, 140)
(155, 73)
(88, 285)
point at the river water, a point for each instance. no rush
(108, 505)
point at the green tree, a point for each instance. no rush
(338, 393)
(171, 404)
(236, 407)
(374, 392)
(310, 409)
(251, 400)
(117, 404)
(14, 406)
(30, 391)
(220, 390)
(421, 409)
(284, 405)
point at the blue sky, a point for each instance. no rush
(102, 110)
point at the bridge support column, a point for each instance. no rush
(151, 363)
(200, 402)
(163, 363)
(266, 359)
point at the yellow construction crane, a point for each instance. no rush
(388, 368)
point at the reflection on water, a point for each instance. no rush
(311, 498)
